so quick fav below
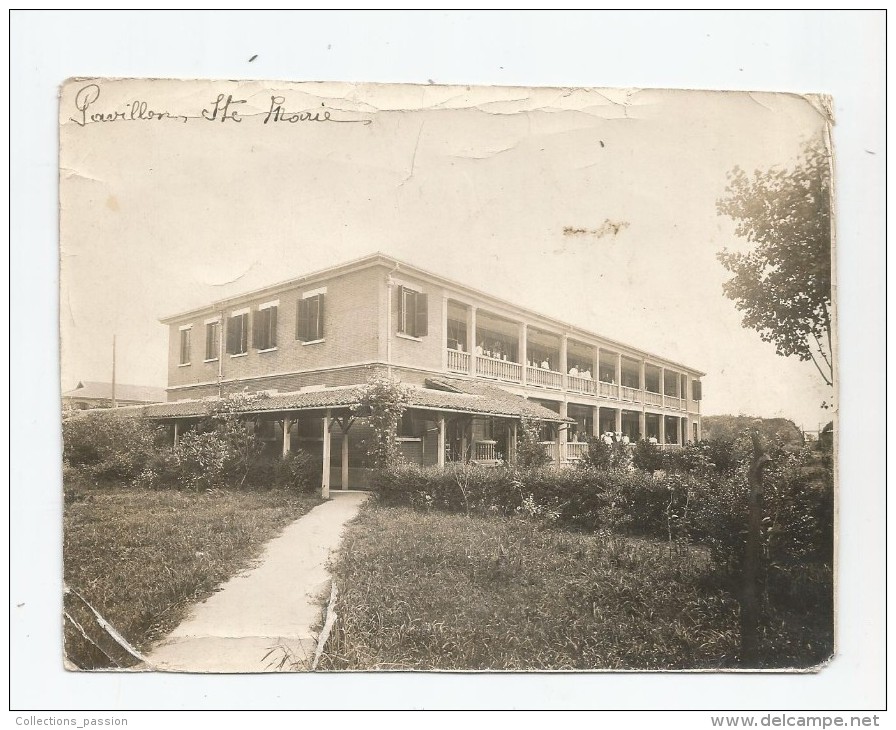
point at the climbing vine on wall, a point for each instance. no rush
(382, 401)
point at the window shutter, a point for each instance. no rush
(302, 320)
(421, 324)
(244, 329)
(257, 329)
(401, 313)
(697, 390)
(208, 341)
(231, 329)
(272, 337)
(319, 329)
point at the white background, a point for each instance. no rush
(831, 52)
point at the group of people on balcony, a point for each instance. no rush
(576, 373)
(497, 350)
(608, 437)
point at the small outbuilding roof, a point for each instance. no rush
(95, 390)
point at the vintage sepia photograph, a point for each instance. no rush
(394, 377)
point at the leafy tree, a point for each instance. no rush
(783, 285)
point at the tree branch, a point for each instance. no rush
(822, 352)
(828, 381)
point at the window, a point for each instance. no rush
(185, 345)
(413, 315)
(310, 318)
(265, 328)
(212, 340)
(409, 427)
(238, 333)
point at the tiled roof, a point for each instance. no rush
(516, 403)
(492, 401)
(94, 390)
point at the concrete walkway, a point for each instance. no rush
(274, 604)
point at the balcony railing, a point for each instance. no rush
(575, 450)
(505, 370)
(486, 451)
(608, 390)
(581, 385)
(552, 449)
(544, 378)
(489, 367)
(458, 362)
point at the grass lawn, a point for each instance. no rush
(141, 557)
(428, 590)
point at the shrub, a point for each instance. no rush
(601, 455)
(701, 506)
(109, 446)
(298, 471)
(530, 453)
(647, 456)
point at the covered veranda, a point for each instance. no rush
(448, 420)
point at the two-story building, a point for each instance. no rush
(475, 365)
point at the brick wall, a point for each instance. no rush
(351, 310)
(426, 352)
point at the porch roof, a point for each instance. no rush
(441, 396)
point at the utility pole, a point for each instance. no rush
(113, 371)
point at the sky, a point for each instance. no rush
(482, 185)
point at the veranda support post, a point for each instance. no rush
(325, 479)
(345, 454)
(286, 436)
(441, 442)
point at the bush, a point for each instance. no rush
(701, 506)
(601, 455)
(530, 452)
(298, 471)
(647, 456)
(106, 446)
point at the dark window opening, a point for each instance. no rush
(310, 319)
(238, 334)
(413, 312)
(265, 329)
(185, 347)
(212, 340)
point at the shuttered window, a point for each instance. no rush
(310, 318)
(185, 346)
(264, 328)
(413, 312)
(238, 334)
(212, 340)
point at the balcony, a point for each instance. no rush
(608, 390)
(486, 451)
(574, 383)
(490, 367)
(576, 450)
(542, 378)
(458, 362)
(505, 370)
